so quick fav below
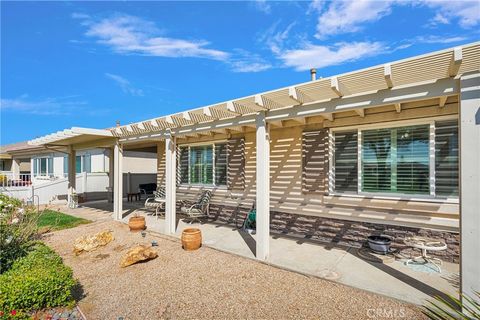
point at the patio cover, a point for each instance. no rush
(75, 135)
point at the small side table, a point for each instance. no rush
(134, 196)
(426, 244)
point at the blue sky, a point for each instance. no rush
(89, 64)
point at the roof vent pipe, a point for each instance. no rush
(313, 74)
(118, 123)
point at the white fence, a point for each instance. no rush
(89, 186)
(10, 179)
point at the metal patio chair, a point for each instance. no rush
(199, 209)
(156, 202)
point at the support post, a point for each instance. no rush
(262, 187)
(84, 185)
(72, 175)
(111, 164)
(117, 181)
(15, 169)
(129, 182)
(469, 110)
(170, 183)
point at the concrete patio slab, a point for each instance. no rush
(324, 260)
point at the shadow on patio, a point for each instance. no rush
(324, 249)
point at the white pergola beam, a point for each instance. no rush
(292, 93)
(231, 107)
(442, 101)
(455, 62)
(169, 120)
(328, 116)
(335, 85)
(302, 121)
(387, 73)
(259, 101)
(278, 124)
(386, 97)
(360, 112)
(186, 116)
(262, 187)
(170, 183)
(398, 107)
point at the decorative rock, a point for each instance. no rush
(92, 242)
(137, 254)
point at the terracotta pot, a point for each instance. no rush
(136, 224)
(191, 239)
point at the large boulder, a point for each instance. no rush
(92, 242)
(137, 254)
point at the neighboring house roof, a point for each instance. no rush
(322, 97)
(6, 151)
(15, 147)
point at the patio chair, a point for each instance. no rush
(199, 209)
(156, 202)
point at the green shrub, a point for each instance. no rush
(38, 280)
(18, 227)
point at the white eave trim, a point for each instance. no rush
(69, 133)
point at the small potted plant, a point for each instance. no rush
(137, 223)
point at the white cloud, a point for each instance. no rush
(263, 6)
(124, 84)
(439, 19)
(48, 106)
(276, 40)
(244, 61)
(466, 12)
(345, 16)
(319, 56)
(127, 34)
(440, 39)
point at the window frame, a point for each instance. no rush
(37, 165)
(389, 195)
(199, 144)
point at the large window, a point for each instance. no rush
(397, 160)
(43, 166)
(203, 164)
(83, 163)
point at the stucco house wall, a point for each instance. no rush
(287, 194)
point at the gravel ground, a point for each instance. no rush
(206, 284)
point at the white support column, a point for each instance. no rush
(170, 183)
(111, 174)
(84, 185)
(263, 187)
(72, 175)
(469, 109)
(15, 169)
(129, 182)
(117, 181)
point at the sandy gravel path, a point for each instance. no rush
(206, 284)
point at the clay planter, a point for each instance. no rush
(136, 224)
(191, 239)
